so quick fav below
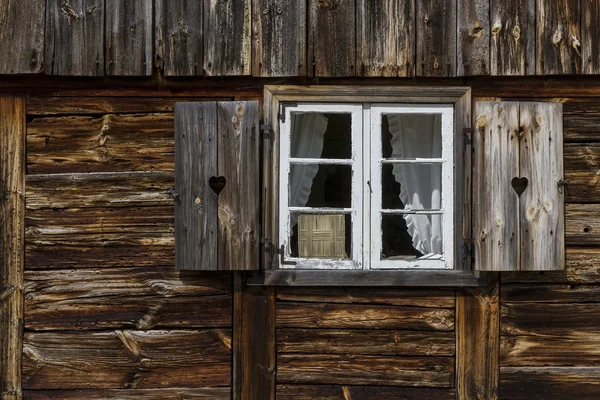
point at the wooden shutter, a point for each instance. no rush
(518, 200)
(217, 186)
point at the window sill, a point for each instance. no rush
(403, 278)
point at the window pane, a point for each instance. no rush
(410, 236)
(411, 186)
(320, 235)
(317, 135)
(406, 136)
(320, 185)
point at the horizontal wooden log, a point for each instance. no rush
(582, 127)
(582, 163)
(360, 341)
(127, 359)
(551, 383)
(550, 293)
(136, 298)
(335, 392)
(110, 143)
(421, 298)
(548, 318)
(582, 227)
(365, 370)
(118, 189)
(356, 316)
(223, 393)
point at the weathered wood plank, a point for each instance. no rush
(12, 215)
(551, 383)
(107, 143)
(223, 393)
(581, 226)
(582, 163)
(365, 370)
(125, 298)
(279, 38)
(75, 37)
(358, 341)
(473, 41)
(558, 46)
(227, 37)
(582, 127)
(496, 205)
(129, 47)
(436, 38)
(385, 38)
(179, 37)
(590, 36)
(22, 36)
(550, 293)
(512, 37)
(331, 43)
(548, 318)
(338, 392)
(127, 359)
(238, 138)
(357, 316)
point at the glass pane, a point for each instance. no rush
(321, 235)
(411, 186)
(317, 135)
(406, 136)
(411, 236)
(320, 185)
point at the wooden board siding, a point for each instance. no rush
(436, 38)
(473, 55)
(131, 394)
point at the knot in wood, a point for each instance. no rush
(496, 28)
(477, 31)
(557, 37)
(516, 32)
(329, 4)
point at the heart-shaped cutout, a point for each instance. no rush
(519, 184)
(217, 183)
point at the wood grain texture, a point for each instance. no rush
(558, 37)
(580, 228)
(473, 38)
(75, 37)
(126, 359)
(125, 298)
(179, 37)
(549, 383)
(546, 318)
(196, 222)
(590, 36)
(22, 26)
(496, 205)
(332, 38)
(436, 38)
(129, 47)
(512, 47)
(542, 204)
(12, 215)
(550, 293)
(223, 393)
(227, 37)
(339, 392)
(385, 32)
(582, 163)
(279, 38)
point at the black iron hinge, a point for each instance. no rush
(467, 249)
(266, 131)
(468, 137)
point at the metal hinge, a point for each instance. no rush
(282, 261)
(269, 248)
(266, 131)
(468, 137)
(281, 114)
(467, 249)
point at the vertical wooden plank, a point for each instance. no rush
(22, 36)
(227, 46)
(197, 204)
(542, 203)
(386, 37)
(279, 38)
(513, 37)
(463, 182)
(12, 244)
(75, 37)
(238, 205)
(270, 181)
(179, 38)
(558, 48)
(496, 204)
(590, 36)
(436, 37)
(332, 38)
(478, 342)
(473, 37)
(129, 37)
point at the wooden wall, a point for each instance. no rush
(314, 38)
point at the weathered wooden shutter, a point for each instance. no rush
(518, 197)
(217, 186)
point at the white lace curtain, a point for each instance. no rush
(420, 185)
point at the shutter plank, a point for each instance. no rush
(129, 37)
(196, 207)
(496, 205)
(473, 37)
(75, 37)
(238, 144)
(590, 36)
(386, 37)
(541, 215)
(436, 38)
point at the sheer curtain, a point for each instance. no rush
(413, 136)
(308, 131)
